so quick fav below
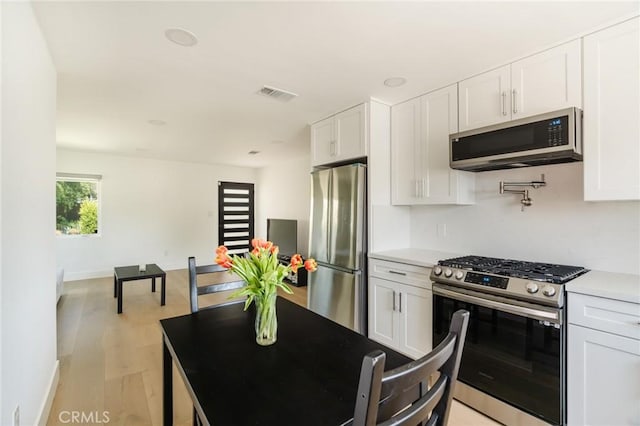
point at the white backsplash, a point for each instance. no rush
(558, 228)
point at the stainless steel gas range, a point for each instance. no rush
(513, 363)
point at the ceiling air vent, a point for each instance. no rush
(279, 94)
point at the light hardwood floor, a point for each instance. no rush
(110, 364)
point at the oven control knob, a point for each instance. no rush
(549, 291)
(459, 275)
(437, 271)
(532, 287)
(448, 273)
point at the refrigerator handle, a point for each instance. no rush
(329, 213)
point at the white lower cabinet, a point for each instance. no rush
(400, 302)
(603, 360)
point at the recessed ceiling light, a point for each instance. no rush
(157, 122)
(395, 81)
(254, 152)
(181, 37)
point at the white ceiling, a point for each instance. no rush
(116, 70)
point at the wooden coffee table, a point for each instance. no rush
(131, 273)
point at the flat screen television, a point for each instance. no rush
(284, 234)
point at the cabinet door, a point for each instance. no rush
(611, 111)
(484, 99)
(383, 326)
(603, 378)
(414, 307)
(323, 143)
(548, 81)
(405, 158)
(350, 128)
(440, 183)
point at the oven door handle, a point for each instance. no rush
(539, 314)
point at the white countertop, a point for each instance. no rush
(625, 287)
(411, 256)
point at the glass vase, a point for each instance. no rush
(266, 320)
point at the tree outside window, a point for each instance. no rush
(77, 208)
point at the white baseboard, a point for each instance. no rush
(87, 275)
(45, 409)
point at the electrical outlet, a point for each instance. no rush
(441, 230)
(16, 416)
(166, 252)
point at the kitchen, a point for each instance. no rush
(560, 226)
(477, 125)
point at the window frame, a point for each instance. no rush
(83, 177)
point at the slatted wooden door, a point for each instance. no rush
(235, 216)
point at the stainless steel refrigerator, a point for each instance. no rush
(338, 290)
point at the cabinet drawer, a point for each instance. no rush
(613, 316)
(417, 276)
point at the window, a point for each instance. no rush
(77, 204)
(235, 216)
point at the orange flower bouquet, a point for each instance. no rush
(264, 274)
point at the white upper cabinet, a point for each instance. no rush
(611, 111)
(420, 172)
(322, 141)
(544, 82)
(547, 81)
(340, 137)
(484, 99)
(405, 159)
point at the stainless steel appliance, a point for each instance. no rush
(513, 363)
(337, 290)
(554, 137)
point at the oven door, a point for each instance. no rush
(514, 352)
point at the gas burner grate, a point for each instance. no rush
(545, 272)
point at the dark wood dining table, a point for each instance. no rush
(308, 377)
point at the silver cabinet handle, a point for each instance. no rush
(504, 103)
(394, 300)
(514, 102)
(400, 298)
(397, 273)
(416, 188)
(333, 148)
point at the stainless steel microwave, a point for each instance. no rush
(550, 138)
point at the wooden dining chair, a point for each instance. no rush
(217, 273)
(401, 396)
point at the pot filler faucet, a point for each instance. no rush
(526, 201)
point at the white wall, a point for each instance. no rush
(28, 204)
(152, 211)
(558, 228)
(282, 192)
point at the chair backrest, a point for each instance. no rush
(221, 285)
(401, 396)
